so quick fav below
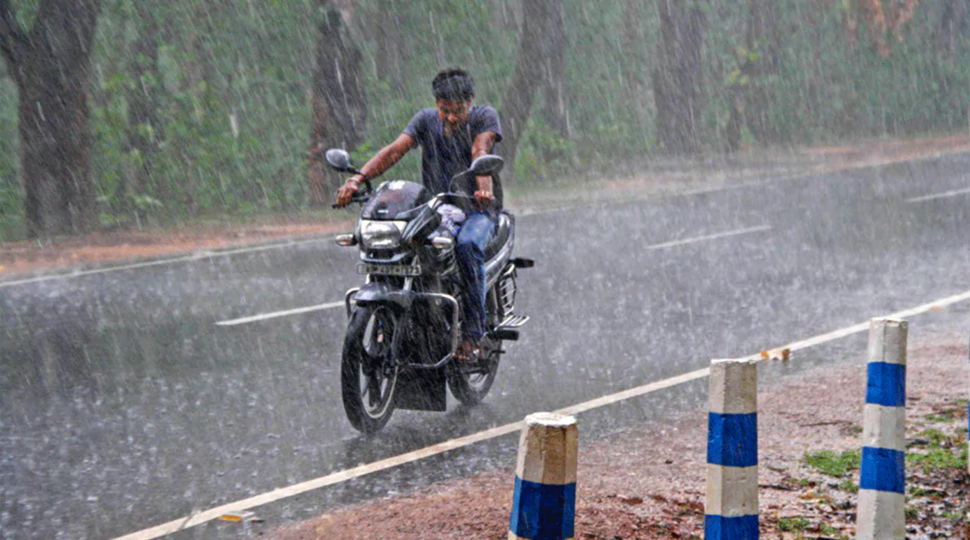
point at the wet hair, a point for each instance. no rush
(453, 84)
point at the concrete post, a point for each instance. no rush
(544, 503)
(882, 499)
(731, 506)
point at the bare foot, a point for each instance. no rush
(468, 351)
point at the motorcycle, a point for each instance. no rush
(405, 320)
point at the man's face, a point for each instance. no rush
(453, 114)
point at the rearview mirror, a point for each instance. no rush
(486, 165)
(339, 159)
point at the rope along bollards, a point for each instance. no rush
(731, 507)
(882, 499)
(544, 503)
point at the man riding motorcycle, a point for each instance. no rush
(451, 135)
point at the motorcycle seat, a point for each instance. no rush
(503, 231)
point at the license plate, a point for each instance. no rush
(388, 269)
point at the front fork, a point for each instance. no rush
(404, 320)
(348, 299)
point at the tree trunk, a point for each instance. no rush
(517, 103)
(50, 64)
(677, 80)
(757, 62)
(391, 59)
(339, 103)
(954, 25)
(555, 112)
(634, 65)
(764, 36)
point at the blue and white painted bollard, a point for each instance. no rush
(882, 499)
(731, 507)
(544, 503)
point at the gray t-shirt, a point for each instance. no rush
(442, 157)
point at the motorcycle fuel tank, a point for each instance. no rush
(392, 198)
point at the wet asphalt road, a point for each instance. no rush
(123, 405)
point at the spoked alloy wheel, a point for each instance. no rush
(368, 373)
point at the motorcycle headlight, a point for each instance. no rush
(381, 234)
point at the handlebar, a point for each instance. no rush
(357, 197)
(458, 199)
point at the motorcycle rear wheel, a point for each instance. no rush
(471, 383)
(368, 374)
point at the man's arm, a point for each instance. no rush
(382, 161)
(481, 146)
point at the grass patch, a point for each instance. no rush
(833, 464)
(938, 459)
(948, 414)
(942, 452)
(793, 524)
(920, 492)
(849, 486)
(830, 531)
(954, 515)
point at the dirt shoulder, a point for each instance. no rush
(658, 178)
(648, 482)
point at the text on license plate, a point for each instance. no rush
(388, 269)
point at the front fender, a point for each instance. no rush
(384, 294)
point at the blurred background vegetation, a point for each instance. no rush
(209, 105)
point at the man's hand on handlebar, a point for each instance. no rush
(484, 197)
(346, 191)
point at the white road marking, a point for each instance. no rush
(699, 191)
(863, 326)
(715, 236)
(275, 314)
(953, 193)
(197, 256)
(461, 442)
(331, 305)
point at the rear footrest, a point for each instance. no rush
(512, 321)
(507, 334)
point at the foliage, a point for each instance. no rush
(232, 90)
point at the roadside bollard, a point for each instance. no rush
(544, 503)
(731, 506)
(882, 499)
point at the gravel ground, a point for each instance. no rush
(648, 481)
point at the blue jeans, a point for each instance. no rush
(475, 232)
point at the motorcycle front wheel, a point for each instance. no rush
(368, 374)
